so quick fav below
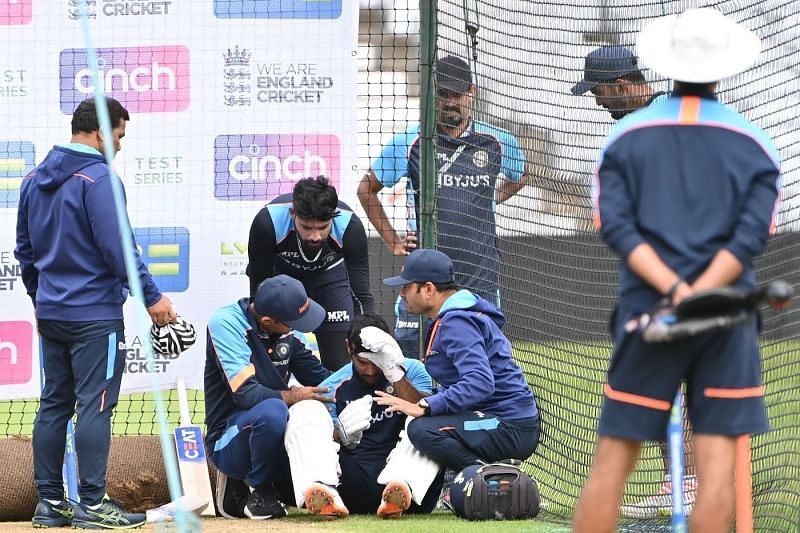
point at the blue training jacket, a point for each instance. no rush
(690, 177)
(68, 240)
(470, 358)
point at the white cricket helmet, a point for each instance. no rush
(173, 339)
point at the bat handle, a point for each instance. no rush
(183, 402)
(777, 294)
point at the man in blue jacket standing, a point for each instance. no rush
(686, 193)
(71, 254)
(483, 409)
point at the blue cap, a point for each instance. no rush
(284, 299)
(605, 64)
(422, 266)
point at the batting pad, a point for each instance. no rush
(313, 455)
(405, 463)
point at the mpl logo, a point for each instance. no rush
(278, 9)
(145, 79)
(261, 167)
(16, 352)
(17, 159)
(15, 12)
(165, 251)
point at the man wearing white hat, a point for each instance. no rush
(686, 194)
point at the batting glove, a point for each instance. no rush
(383, 352)
(353, 420)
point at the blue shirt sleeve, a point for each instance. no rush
(418, 376)
(392, 163)
(513, 163)
(332, 382)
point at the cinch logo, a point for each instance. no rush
(165, 251)
(16, 352)
(261, 167)
(145, 79)
(17, 158)
(278, 9)
(14, 12)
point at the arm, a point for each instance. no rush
(24, 249)
(355, 251)
(102, 215)
(368, 189)
(512, 172)
(227, 341)
(416, 383)
(461, 340)
(260, 249)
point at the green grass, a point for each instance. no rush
(567, 379)
(440, 522)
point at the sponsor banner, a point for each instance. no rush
(145, 79)
(278, 9)
(261, 167)
(17, 376)
(165, 251)
(17, 159)
(10, 272)
(15, 12)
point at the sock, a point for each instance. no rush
(52, 502)
(94, 507)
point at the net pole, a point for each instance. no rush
(428, 35)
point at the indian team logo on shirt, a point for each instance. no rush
(165, 251)
(480, 159)
(16, 161)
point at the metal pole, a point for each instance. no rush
(427, 61)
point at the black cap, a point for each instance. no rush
(453, 74)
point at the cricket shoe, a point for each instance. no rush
(109, 515)
(396, 498)
(660, 504)
(53, 515)
(262, 504)
(325, 501)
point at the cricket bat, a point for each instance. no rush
(192, 461)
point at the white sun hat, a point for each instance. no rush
(698, 46)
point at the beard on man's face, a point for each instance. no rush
(450, 116)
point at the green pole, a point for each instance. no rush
(427, 60)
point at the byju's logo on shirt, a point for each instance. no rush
(165, 251)
(16, 352)
(145, 79)
(261, 167)
(278, 9)
(15, 12)
(17, 158)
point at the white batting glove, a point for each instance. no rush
(353, 420)
(384, 352)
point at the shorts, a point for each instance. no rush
(722, 371)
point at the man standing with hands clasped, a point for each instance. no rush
(686, 194)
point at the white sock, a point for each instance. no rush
(52, 502)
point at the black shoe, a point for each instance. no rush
(49, 515)
(262, 504)
(110, 515)
(230, 496)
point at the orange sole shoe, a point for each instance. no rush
(396, 499)
(324, 501)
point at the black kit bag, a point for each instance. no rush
(494, 492)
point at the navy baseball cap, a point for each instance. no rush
(422, 266)
(605, 64)
(453, 74)
(284, 299)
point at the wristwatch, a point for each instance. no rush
(424, 404)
